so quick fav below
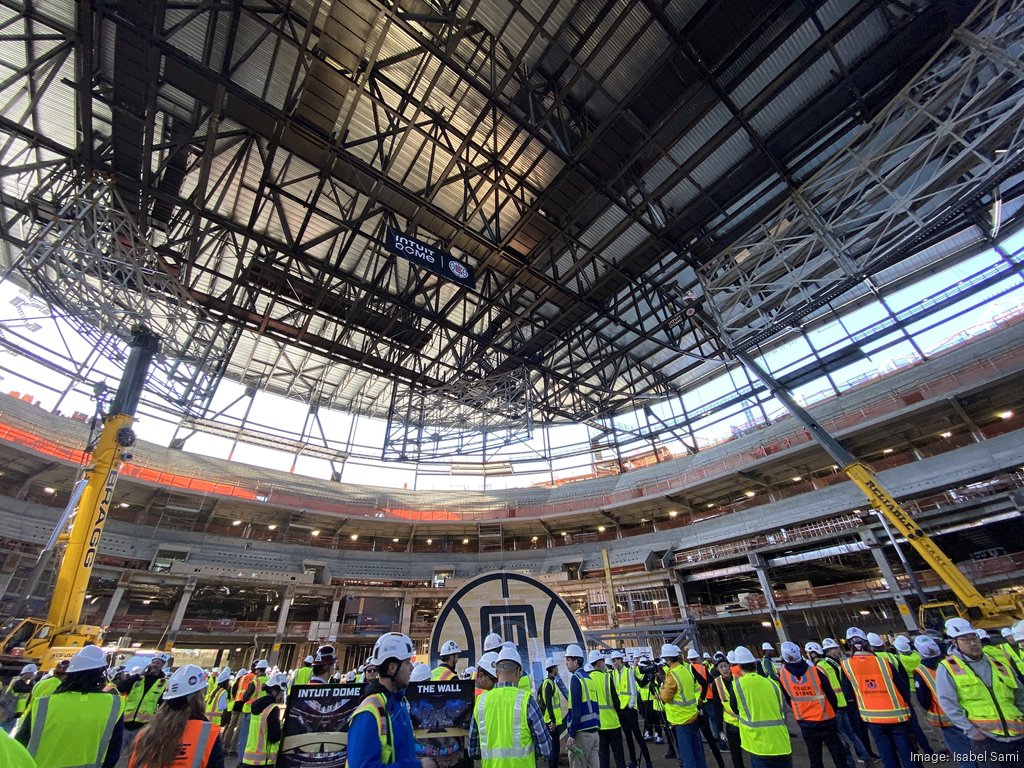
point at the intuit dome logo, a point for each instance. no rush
(429, 257)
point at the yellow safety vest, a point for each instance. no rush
(621, 678)
(45, 687)
(13, 755)
(525, 685)
(590, 718)
(376, 705)
(910, 662)
(303, 675)
(140, 707)
(989, 709)
(934, 714)
(728, 713)
(831, 669)
(20, 697)
(549, 692)
(258, 750)
(683, 707)
(504, 729)
(441, 673)
(642, 690)
(762, 725)
(259, 682)
(601, 692)
(73, 729)
(214, 709)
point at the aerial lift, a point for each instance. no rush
(59, 635)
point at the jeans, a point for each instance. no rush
(242, 734)
(689, 748)
(631, 731)
(824, 734)
(732, 738)
(610, 741)
(556, 736)
(893, 744)
(710, 738)
(919, 736)
(771, 761)
(850, 735)
(960, 746)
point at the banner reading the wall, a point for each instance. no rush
(315, 726)
(429, 257)
(441, 713)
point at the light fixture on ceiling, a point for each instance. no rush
(465, 541)
(49, 490)
(750, 494)
(766, 623)
(796, 478)
(146, 602)
(565, 533)
(673, 513)
(533, 539)
(1005, 415)
(711, 505)
(395, 540)
(315, 532)
(600, 529)
(430, 541)
(354, 537)
(124, 505)
(865, 613)
(946, 434)
(887, 451)
(272, 526)
(236, 523)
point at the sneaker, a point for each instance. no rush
(658, 740)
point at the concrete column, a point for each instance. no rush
(179, 612)
(972, 427)
(335, 607)
(113, 605)
(761, 567)
(407, 603)
(282, 621)
(677, 583)
(890, 579)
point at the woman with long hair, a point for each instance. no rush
(179, 731)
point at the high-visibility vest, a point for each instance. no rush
(831, 669)
(377, 706)
(934, 713)
(140, 706)
(257, 693)
(112, 690)
(989, 709)
(20, 697)
(242, 686)
(728, 713)
(807, 696)
(762, 725)
(45, 687)
(13, 755)
(441, 673)
(767, 667)
(211, 682)
(73, 729)
(1016, 655)
(590, 718)
(258, 749)
(526, 685)
(302, 676)
(911, 661)
(625, 685)
(700, 674)
(737, 671)
(643, 691)
(601, 692)
(877, 698)
(504, 729)
(682, 709)
(194, 748)
(216, 705)
(999, 653)
(550, 702)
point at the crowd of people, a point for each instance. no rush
(857, 702)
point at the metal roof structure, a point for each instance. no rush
(599, 167)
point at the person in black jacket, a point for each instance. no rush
(817, 719)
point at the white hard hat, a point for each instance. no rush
(575, 651)
(790, 652)
(594, 656)
(616, 655)
(731, 657)
(350, 676)
(692, 654)
(853, 632)
(959, 627)
(902, 644)
(29, 669)
(766, 646)
(277, 680)
(392, 645)
(707, 655)
(185, 681)
(550, 662)
(420, 672)
(261, 664)
(1018, 631)
(1006, 632)
(742, 655)
(813, 647)
(449, 648)
(488, 663)
(668, 650)
(926, 646)
(242, 671)
(468, 672)
(982, 633)
(510, 654)
(828, 642)
(308, 659)
(224, 676)
(90, 657)
(492, 642)
(875, 640)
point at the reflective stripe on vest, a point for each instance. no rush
(806, 694)
(303, 675)
(20, 697)
(682, 709)
(625, 686)
(140, 706)
(590, 719)
(195, 747)
(216, 703)
(441, 673)
(831, 669)
(643, 691)
(934, 713)
(877, 697)
(73, 730)
(259, 682)
(550, 702)
(243, 686)
(728, 714)
(376, 706)
(762, 725)
(258, 751)
(989, 709)
(505, 742)
(601, 691)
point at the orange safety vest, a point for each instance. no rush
(737, 671)
(806, 694)
(700, 672)
(877, 698)
(934, 713)
(198, 739)
(243, 686)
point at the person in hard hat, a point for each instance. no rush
(928, 698)
(253, 691)
(380, 730)
(491, 739)
(1017, 635)
(324, 663)
(610, 731)
(827, 656)
(995, 651)
(230, 720)
(625, 688)
(525, 684)
(263, 735)
(681, 694)
(305, 672)
(49, 683)
(449, 655)
(493, 643)
(180, 733)
(1012, 650)
(810, 695)
(78, 724)
(20, 691)
(707, 728)
(981, 696)
(421, 673)
(486, 673)
(550, 695)
(469, 673)
(730, 733)
(883, 699)
(757, 700)
(218, 698)
(143, 698)
(766, 665)
(13, 754)
(642, 674)
(583, 721)
(909, 658)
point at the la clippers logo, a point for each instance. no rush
(458, 269)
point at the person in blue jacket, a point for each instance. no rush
(380, 730)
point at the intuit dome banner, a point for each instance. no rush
(429, 257)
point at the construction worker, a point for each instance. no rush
(1011, 649)
(827, 657)
(999, 652)
(380, 731)
(264, 732)
(144, 697)
(981, 696)
(229, 728)
(681, 693)
(723, 683)
(211, 678)
(583, 721)
(13, 754)
(883, 698)
(909, 658)
(20, 691)
(766, 665)
(550, 695)
(78, 724)
(253, 690)
(179, 734)
(810, 695)
(486, 673)
(305, 672)
(643, 688)
(498, 715)
(449, 655)
(624, 683)
(324, 662)
(757, 701)
(928, 698)
(47, 684)
(610, 731)
(708, 664)
(217, 699)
